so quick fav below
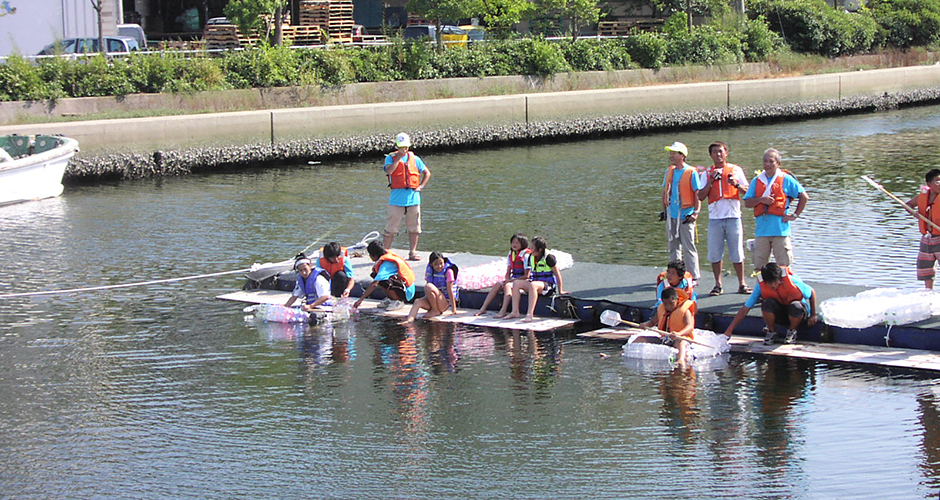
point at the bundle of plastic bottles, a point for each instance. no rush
(276, 313)
(717, 345)
(889, 306)
(486, 275)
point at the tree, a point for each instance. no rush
(440, 10)
(96, 4)
(251, 16)
(578, 12)
(501, 15)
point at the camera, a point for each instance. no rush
(662, 216)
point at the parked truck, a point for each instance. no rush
(26, 26)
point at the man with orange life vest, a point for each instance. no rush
(334, 259)
(392, 274)
(675, 317)
(786, 299)
(407, 176)
(927, 204)
(723, 186)
(681, 206)
(769, 194)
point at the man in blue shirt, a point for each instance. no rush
(407, 176)
(785, 299)
(769, 194)
(681, 206)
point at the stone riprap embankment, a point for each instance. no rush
(209, 158)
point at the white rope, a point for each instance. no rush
(124, 285)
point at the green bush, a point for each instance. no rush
(647, 49)
(815, 27)
(907, 23)
(20, 81)
(704, 45)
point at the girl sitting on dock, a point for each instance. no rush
(515, 269)
(673, 316)
(678, 278)
(544, 278)
(440, 289)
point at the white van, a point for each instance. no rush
(133, 31)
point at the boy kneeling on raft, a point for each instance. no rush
(392, 274)
(787, 300)
(676, 318)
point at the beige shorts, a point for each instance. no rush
(779, 245)
(412, 216)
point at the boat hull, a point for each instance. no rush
(36, 176)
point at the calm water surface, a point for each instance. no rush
(164, 392)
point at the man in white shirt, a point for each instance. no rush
(723, 185)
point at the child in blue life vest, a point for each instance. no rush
(675, 317)
(543, 278)
(392, 274)
(440, 289)
(312, 288)
(515, 269)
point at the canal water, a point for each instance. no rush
(164, 392)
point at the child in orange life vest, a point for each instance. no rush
(927, 204)
(786, 299)
(392, 274)
(440, 289)
(515, 269)
(677, 277)
(542, 278)
(676, 318)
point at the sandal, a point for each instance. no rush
(715, 291)
(414, 256)
(744, 290)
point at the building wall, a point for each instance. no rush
(26, 26)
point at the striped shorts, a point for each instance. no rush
(928, 254)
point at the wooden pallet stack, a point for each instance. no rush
(416, 20)
(302, 35)
(335, 17)
(222, 36)
(616, 28)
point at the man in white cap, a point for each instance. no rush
(681, 206)
(407, 176)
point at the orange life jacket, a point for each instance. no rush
(405, 175)
(931, 212)
(776, 191)
(684, 293)
(404, 270)
(686, 193)
(333, 268)
(786, 292)
(724, 191)
(675, 321)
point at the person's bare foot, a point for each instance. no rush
(500, 315)
(513, 316)
(480, 313)
(430, 314)
(528, 319)
(407, 321)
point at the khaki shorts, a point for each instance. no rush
(412, 216)
(779, 245)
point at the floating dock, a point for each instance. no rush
(630, 290)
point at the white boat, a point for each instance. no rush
(31, 167)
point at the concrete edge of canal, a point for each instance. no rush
(174, 145)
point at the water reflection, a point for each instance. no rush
(928, 406)
(681, 413)
(780, 388)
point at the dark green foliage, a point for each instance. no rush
(593, 55)
(907, 23)
(704, 45)
(647, 49)
(815, 27)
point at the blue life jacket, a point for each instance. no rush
(440, 279)
(309, 285)
(542, 270)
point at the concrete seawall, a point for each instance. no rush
(141, 147)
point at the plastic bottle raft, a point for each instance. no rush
(276, 313)
(717, 345)
(888, 306)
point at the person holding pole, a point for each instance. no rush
(927, 206)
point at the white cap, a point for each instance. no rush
(403, 140)
(678, 147)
